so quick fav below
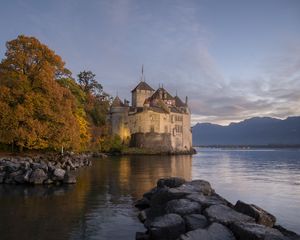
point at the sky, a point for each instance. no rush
(234, 59)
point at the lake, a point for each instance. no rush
(100, 205)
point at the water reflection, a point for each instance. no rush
(99, 206)
(268, 178)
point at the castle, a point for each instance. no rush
(155, 120)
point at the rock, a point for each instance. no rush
(201, 186)
(70, 178)
(142, 203)
(291, 235)
(38, 176)
(163, 195)
(71, 164)
(169, 226)
(11, 166)
(39, 165)
(254, 231)
(183, 207)
(16, 173)
(171, 182)
(225, 215)
(59, 174)
(19, 179)
(215, 231)
(27, 174)
(150, 193)
(261, 216)
(194, 221)
(142, 216)
(25, 165)
(207, 201)
(51, 167)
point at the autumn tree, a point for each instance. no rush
(36, 111)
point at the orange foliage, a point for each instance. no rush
(36, 111)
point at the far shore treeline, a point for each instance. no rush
(43, 107)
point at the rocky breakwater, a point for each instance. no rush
(176, 209)
(42, 169)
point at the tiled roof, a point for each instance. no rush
(143, 86)
(162, 93)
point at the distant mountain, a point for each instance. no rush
(253, 131)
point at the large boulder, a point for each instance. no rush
(38, 176)
(41, 165)
(195, 221)
(169, 226)
(201, 186)
(225, 215)
(260, 215)
(150, 193)
(183, 207)
(171, 182)
(59, 174)
(215, 231)
(142, 203)
(207, 201)
(11, 166)
(254, 231)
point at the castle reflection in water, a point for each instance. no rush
(104, 192)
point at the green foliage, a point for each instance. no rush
(88, 83)
(75, 89)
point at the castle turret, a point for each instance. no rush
(119, 119)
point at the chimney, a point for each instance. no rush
(186, 100)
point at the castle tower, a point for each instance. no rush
(119, 119)
(141, 92)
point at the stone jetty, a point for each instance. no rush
(181, 210)
(42, 169)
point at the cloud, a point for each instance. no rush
(275, 93)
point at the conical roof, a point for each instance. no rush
(117, 102)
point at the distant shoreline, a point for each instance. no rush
(297, 146)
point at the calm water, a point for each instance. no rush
(99, 206)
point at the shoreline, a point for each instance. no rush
(177, 209)
(42, 169)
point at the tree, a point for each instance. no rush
(87, 81)
(36, 111)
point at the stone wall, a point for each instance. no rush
(139, 97)
(152, 141)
